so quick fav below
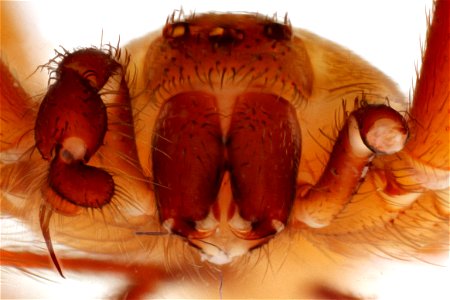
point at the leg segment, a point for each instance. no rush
(424, 163)
(369, 131)
(401, 178)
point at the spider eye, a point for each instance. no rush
(176, 30)
(277, 31)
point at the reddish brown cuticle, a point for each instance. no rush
(73, 109)
(261, 152)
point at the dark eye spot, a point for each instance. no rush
(277, 31)
(225, 36)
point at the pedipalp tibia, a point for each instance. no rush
(229, 149)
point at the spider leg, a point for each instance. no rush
(370, 130)
(424, 163)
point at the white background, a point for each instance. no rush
(385, 32)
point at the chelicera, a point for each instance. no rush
(236, 127)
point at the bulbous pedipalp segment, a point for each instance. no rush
(383, 130)
(80, 184)
(369, 131)
(263, 146)
(71, 108)
(91, 64)
(70, 128)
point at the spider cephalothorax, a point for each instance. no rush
(230, 129)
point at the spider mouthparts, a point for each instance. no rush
(239, 226)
